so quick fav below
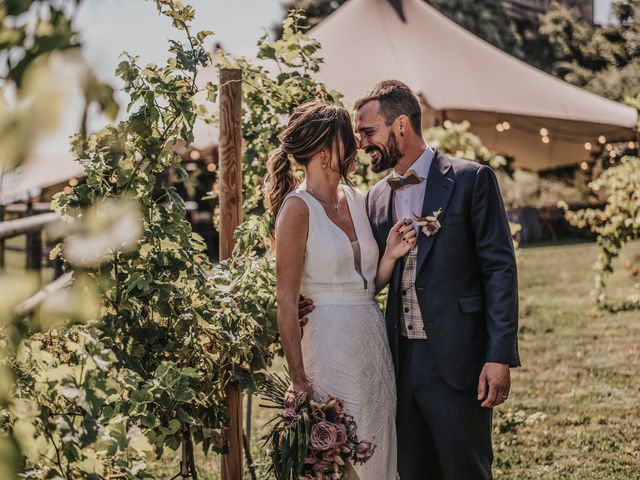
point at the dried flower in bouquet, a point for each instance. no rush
(311, 440)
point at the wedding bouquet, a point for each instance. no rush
(310, 440)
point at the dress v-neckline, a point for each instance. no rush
(353, 222)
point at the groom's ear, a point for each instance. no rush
(404, 126)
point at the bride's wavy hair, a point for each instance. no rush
(314, 126)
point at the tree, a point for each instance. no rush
(604, 60)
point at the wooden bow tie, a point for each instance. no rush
(409, 178)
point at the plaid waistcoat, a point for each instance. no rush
(411, 323)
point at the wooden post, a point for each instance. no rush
(230, 181)
(1, 239)
(34, 244)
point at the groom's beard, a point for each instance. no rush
(388, 155)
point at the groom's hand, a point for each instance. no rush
(494, 384)
(305, 307)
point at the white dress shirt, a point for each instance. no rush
(409, 199)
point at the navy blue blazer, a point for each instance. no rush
(466, 277)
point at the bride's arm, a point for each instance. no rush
(399, 242)
(291, 237)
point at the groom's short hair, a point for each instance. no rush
(396, 98)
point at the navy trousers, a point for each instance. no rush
(443, 433)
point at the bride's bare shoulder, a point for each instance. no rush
(293, 213)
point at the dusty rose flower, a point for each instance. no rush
(310, 459)
(323, 467)
(341, 436)
(318, 413)
(329, 456)
(350, 423)
(431, 229)
(323, 436)
(364, 451)
(338, 406)
(289, 414)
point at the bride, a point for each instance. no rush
(325, 251)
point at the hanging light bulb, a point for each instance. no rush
(544, 132)
(506, 125)
(588, 146)
(546, 139)
(195, 154)
(609, 147)
(448, 124)
(602, 139)
(612, 154)
(500, 128)
(631, 145)
(612, 161)
(211, 167)
(584, 166)
(73, 182)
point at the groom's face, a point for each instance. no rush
(377, 138)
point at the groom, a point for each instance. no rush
(452, 310)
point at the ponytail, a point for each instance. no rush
(279, 181)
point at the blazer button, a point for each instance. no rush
(404, 292)
(409, 327)
(406, 310)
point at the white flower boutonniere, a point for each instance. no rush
(430, 225)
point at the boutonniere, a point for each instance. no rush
(430, 224)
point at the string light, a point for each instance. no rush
(609, 147)
(612, 161)
(195, 154)
(584, 166)
(588, 146)
(499, 128)
(73, 182)
(631, 145)
(544, 132)
(602, 139)
(211, 167)
(506, 125)
(67, 190)
(448, 124)
(612, 154)
(545, 140)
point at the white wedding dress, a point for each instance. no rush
(344, 346)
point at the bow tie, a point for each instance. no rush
(409, 178)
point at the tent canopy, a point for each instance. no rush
(463, 77)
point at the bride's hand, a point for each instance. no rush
(295, 389)
(400, 240)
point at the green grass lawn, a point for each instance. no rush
(574, 410)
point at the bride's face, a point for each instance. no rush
(337, 156)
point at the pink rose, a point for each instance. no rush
(341, 436)
(323, 436)
(364, 451)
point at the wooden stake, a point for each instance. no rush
(230, 180)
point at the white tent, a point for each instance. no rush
(462, 77)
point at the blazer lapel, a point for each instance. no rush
(385, 216)
(438, 192)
